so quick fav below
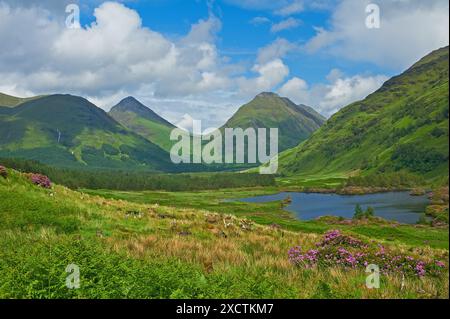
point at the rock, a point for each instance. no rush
(184, 233)
(3, 172)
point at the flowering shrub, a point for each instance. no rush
(3, 172)
(40, 180)
(337, 249)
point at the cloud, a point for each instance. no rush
(286, 24)
(114, 53)
(329, 98)
(409, 30)
(270, 74)
(259, 21)
(296, 89)
(292, 8)
(275, 50)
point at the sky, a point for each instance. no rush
(205, 58)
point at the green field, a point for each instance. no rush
(131, 248)
(183, 245)
(222, 202)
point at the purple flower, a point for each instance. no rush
(420, 269)
(41, 180)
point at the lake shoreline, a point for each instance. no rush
(402, 207)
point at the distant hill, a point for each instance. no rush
(295, 123)
(140, 119)
(401, 127)
(12, 101)
(65, 130)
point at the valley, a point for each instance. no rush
(98, 189)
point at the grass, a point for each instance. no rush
(221, 201)
(133, 249)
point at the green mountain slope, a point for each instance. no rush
(295, 123)
(12, 101)
(140, 119)
(402, 126)
(65, 130)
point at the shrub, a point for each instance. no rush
(339, 250)
(40, 180)
(417, 158)
(3, 172)
(358, 212)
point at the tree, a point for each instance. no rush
(370, 212)
(359, 213)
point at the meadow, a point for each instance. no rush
(194, 245)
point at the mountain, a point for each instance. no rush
(69, 131)
(295, 123)
(11, 101)
(140, 119)
(403, 126)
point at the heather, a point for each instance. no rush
(339, 250)
(40, 180)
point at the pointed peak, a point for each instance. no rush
(129, 104)
(267, 94)
(129, 99)
(132, 105)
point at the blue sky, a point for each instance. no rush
(240, 38)
(206, 58)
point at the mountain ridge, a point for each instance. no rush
(295, 123)
(401, 126)
(67, 130)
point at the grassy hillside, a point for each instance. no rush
(65, 130)
(295, 123)
(12, 101)
(402, 126)
(139, 250)
(140, 119)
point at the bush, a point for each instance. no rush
(339, 250)
(40, 180)
(360, 214)
(399, 179)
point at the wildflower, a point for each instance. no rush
(337, 249)
(420, 269)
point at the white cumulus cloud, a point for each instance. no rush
(409, 30)
(330, 97)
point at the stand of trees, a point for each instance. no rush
(137, 181)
